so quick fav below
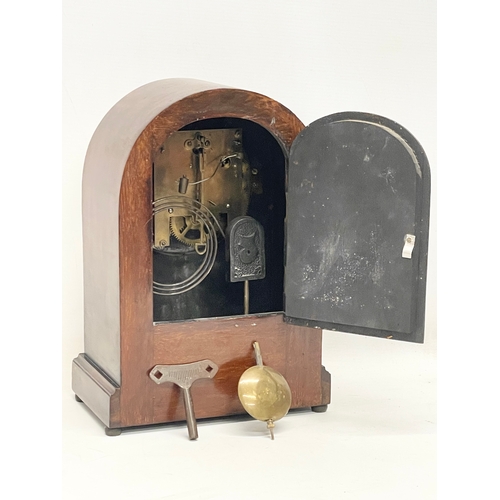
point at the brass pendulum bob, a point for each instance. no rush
(264, 393)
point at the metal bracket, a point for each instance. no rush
(409, 243)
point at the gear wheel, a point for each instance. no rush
(209, 225)
(190, 232)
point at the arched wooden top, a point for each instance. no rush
(170, 104)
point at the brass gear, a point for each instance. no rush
(181, 226)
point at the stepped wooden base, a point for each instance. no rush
(293, 351)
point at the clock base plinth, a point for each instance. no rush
(137, 401)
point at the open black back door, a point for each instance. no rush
(357, 226)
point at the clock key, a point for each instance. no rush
(184, 376)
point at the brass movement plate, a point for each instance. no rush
(218, 177)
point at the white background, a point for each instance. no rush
(378, 438)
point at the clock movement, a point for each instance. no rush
(213, 221)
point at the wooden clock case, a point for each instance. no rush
(122, 342)
(125, 336)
